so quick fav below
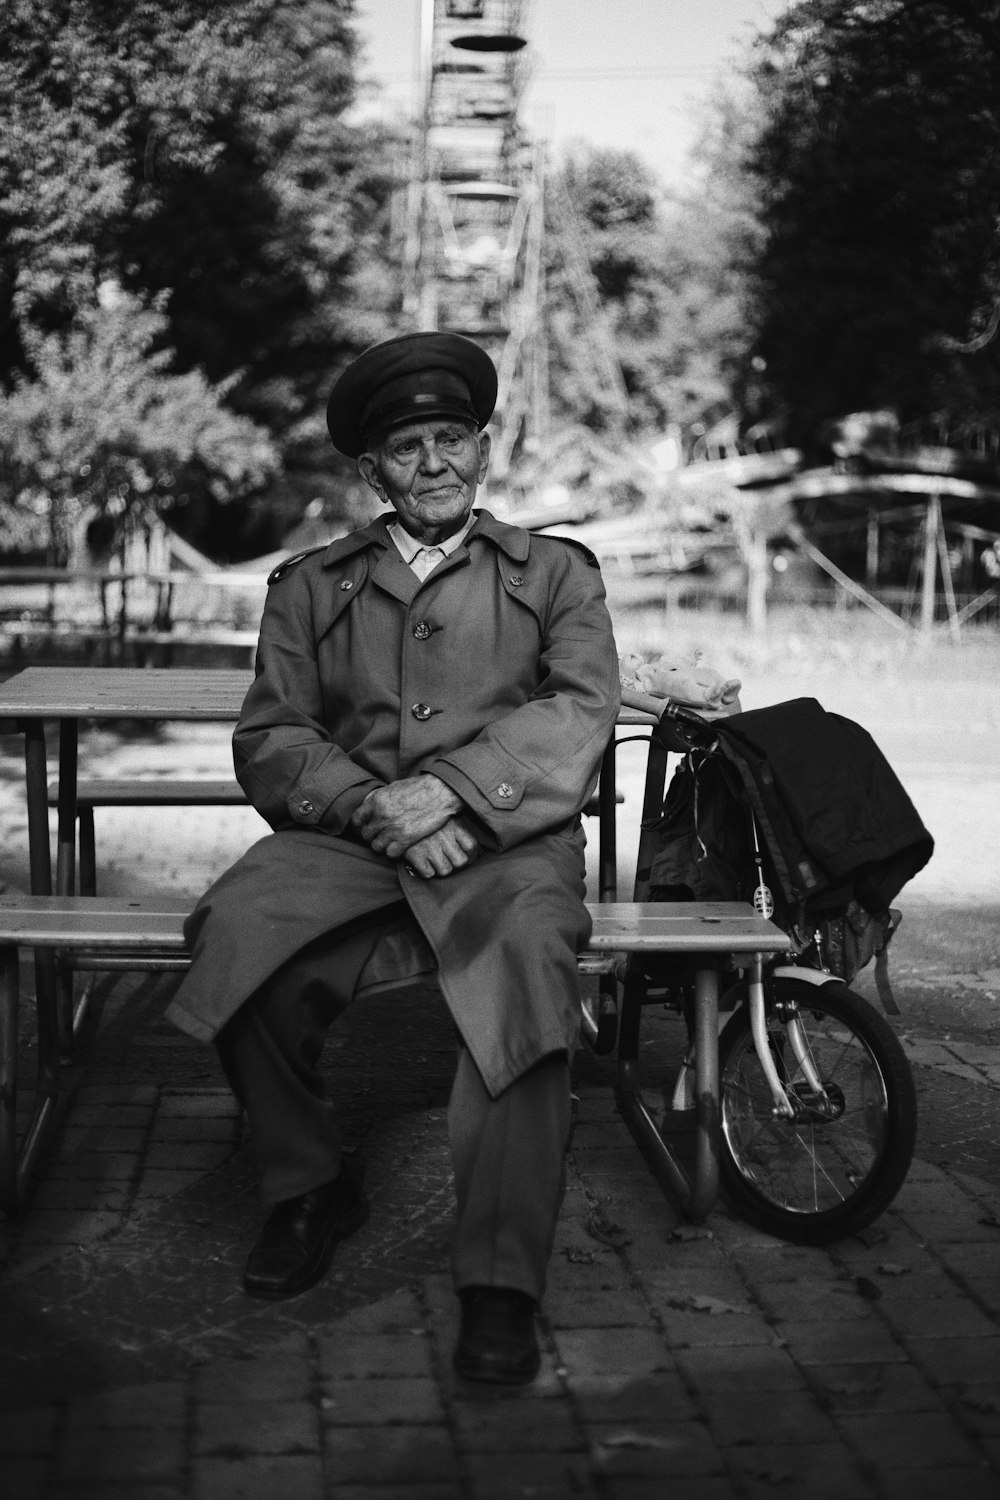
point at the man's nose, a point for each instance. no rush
(431, 461)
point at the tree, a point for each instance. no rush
(196, 154)
(878, 168)
(105, 427)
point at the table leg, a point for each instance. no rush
(694, 1197)
(706, 1083)
(36, 777)
(66, 825)
(69, 1018)
(36, 772)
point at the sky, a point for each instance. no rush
(623, 73)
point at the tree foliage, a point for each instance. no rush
(878, 170)
(104, 428)
(195, 154)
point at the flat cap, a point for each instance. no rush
(407, 379)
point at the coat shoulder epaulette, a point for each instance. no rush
(571, 541)
(287, 563)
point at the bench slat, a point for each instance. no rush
(118, 922)
(144, 792)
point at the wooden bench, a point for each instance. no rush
(143, 791)
(112, 933)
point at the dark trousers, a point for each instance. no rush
(508, 1152)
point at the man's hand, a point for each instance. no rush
(395, 817)
(451, 848)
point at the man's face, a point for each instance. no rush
(429, 473)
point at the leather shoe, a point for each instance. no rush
(297, 1242)
(497, 1340)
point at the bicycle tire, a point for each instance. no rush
(815, 1180)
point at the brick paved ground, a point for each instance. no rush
(711, 1362)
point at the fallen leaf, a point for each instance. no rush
(637, 1440)
(893, 1268)
(599, 1227)
(713, 1305)
(691, 1232)
(579, 1257)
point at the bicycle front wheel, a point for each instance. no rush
(837, 1164)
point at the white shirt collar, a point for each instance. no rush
(408, 546)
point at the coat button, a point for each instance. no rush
(347, 584)
(422, 631)
(516, 580)
(505, 790)
(421, 711)
(305, 807)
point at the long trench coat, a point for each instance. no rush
(499, 675)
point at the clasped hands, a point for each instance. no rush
(420, 819)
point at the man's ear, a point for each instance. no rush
(368, 469)
(484, 455)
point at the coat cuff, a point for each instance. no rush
(337, 814)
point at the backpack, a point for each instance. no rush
(797, 811)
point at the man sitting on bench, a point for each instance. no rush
(432, 699)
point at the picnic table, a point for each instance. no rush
(59, 920)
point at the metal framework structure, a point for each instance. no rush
(473, 252)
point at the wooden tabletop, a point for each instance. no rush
(684, 927)
(142, 693)
(124, 693)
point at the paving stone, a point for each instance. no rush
(270, 1478)
(595, 1308)
(64, 1226)
(381, 1402)
(947, 1317)
(948, 1361)
(859, 1341)
(27, 1434)
(722, 1371)
(88, 1139)
(976, 1261)
(525, 1426)
(807, 1471)
(813, 1299)
(932, 1484)
(913, 1439)
(26, 1478)
(188, 1157)
(100, 1167)
(217, 1104)
(624, 1398)
(444, 1490)
(361, 1356)
(400, 1454)
(212, 1128)
(275, 1378)
(718, 1329)
(540, 1476)
(113, 1455)
(595, 1351)
(240, 1428)
(159, 1404)
(763, 1419)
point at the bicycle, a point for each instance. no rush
(817, 1107)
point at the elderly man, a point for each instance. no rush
(432, 697)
